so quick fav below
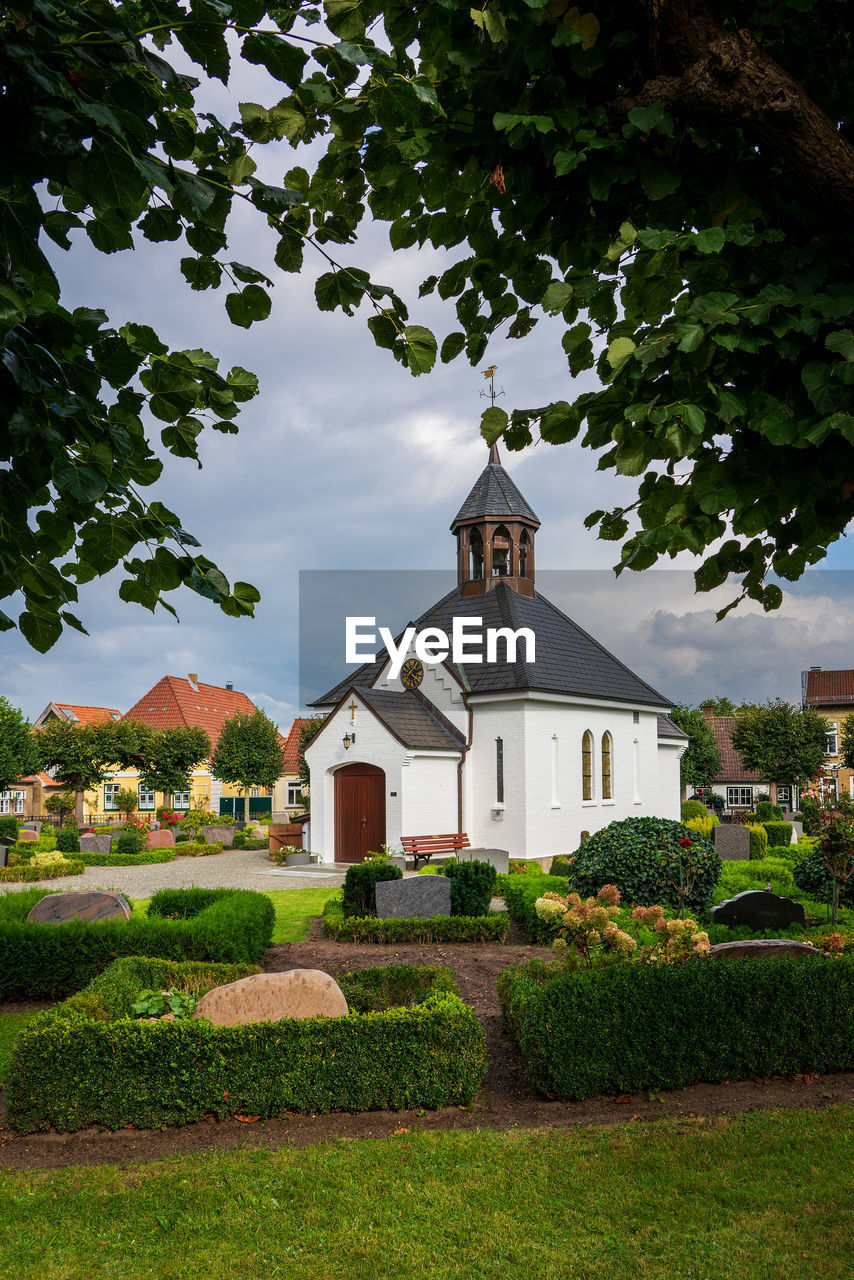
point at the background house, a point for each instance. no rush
(831, 693)
(738, 786)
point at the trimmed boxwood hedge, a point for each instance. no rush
(472, 886)
(489, 928)
(87, 1062)
(520, 894)
(146, 858)
(779, 832)
(197, 848)
(45, 961)
(26, 872)
(627, 1028)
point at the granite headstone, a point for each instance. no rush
(415, 898)
(81, 904)
(732, 841)
(498, 858)
(755, 948)
(758, 909)
(96, 842)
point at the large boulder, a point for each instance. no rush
(80, 904)
(162, 839)
(269, 997)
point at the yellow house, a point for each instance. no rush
(832, 694)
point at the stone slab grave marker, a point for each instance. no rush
(161, 840)
(268, 997)
(26, 834)
(416, 898)
(732, 842)
(498, 858)
(214, 834)
(96, 842)
(755, 948)
(81, 904)
(758, 909)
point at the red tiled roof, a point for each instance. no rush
(829, 688)
(732, 766)
(89, 715)
(290, 755)
(175, 703)
(44, 778)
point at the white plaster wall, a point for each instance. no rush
(439, 687)
(429, 794)
(669, 785)
(506, 830)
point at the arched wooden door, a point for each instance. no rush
(359, 811)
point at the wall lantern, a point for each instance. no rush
(348, 738)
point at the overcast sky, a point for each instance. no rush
(345, 461)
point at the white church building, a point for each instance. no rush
(520, 755)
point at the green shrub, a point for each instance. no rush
(68, 840)
(181, 836)
(148, 857)
(360, 897)
(519, 899)
(472, 887)
(779, 832)
(809, 812)
(758, 840)
(637, 1027)
(86, 1062)
(703, 826)
(394, 986)
(792, 852)
(8, 827)
(199, 848)
(41, 961)
(560, 865)
(814, 879)
(489, 928)
(642, 857)
(127, 844)
(693, 809)
(30, 870)
(767, 812)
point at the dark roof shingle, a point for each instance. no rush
(494, 494)
(410, 721)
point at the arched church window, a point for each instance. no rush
(587, 766)
(501, 544)
(524, 552)
(475, 554)
(607, 748)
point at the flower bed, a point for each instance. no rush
(44, 961)
(489, 928)
(88, 1062)
(628, 1027)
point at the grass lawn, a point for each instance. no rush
(294, 910)
(766, 1196)
(11, 1026)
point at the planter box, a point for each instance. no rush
(296, 859)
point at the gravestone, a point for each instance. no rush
(161, 840)
(81, 904)
(25, 835)
(268, 997)
(214, 834)
(732, 842)
(416, 898)
(96, 842)
(758, 909)
(33, 825)
(498, 858)
(754, 948)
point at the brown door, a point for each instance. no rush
(359, 811)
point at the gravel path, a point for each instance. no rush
(233, 869)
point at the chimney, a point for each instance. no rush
(193, 678)
(708, 711)
(229, 684)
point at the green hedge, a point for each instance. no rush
(26, 872)
(198, 848)
(360, 886)
(813, 878)
(519, 898)
(490, 928)
(146, 858)
(472, 886)
(86, 1062)
(642, 857)
(779, 832)
(68, 840)
(767, 812)
(628, 1028)
(561, 864)
(45, 961)
(758, 840)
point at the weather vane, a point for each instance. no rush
(492, 395)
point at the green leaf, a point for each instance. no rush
(493, 424)
(78, 481)
(344, 288)
(420, 349)
(284, 61)
(556, 296)
(652, 117)
(841, 343)
(619, 352)
(711, 239)
(251, 304)
(452, 346)
(41, 632)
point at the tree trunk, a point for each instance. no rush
(78, 808)
(772, 792)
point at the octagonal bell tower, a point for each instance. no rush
(495, 531)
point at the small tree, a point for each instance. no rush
(165, 758)
(63, 804)
(783, 743)
(81, 756)
(306, 734)
(701, 762)
(18, 749)
(248, 754)
(836, 842)
(127, 803)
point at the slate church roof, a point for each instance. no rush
(568, 659)
(494, 494)
(410, 721)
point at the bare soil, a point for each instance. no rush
(507, 1099)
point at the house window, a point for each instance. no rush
(832, 740)
(784, 797)
(587, 766)
(147, 799)
(739, 797)
(180, 799)
(499, 770)
(606, 766)
(254, 792)
(294, 793)
(12, 801)
(111, 796)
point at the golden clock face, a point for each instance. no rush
(412, 673)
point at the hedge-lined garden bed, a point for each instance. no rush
(25, 872)
(626, 1028)
(520, 894)
(341, 928)
(89, 1062)
(46, 961)
(146, 858)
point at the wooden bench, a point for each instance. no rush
(422, 848)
